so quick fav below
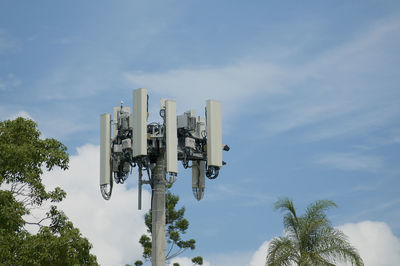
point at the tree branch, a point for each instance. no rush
(170, 249)
(39, 222)
(179, 252)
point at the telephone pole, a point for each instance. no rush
(158, 213)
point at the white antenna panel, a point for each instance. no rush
(171, 137)
(105, 149)
(214, 133)
(139, 122)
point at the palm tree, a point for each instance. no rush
(310, 239)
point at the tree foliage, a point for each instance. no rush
(310, 239)
(23, 158)
(197, 260)
(175, 226)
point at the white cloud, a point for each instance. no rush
(375, 241)
(65, 126)
(113, 227)
(22, 114)
(72, 82)
(223, 192)
(259, 257)
(350, 161)
(233, 84)
(337, 91)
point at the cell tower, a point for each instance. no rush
(128, 141)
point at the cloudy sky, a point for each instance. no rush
(311, 110)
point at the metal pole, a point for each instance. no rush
(158, 213)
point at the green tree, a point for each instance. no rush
(176, 226)
(23, 157)
(310, 239)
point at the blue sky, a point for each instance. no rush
(310, 95)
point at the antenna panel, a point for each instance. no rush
(171, 137)
(139, 122)
(214, 133)
(105, 149)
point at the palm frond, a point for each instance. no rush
(315, 259)
(312, 223)
(316, 210)
(290, 219)
(285, 204)
(333, 245)
(281, 252)
(291, 225)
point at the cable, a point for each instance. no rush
(212, 172)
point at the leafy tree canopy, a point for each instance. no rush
(23, 157)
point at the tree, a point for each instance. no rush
(23, 157)
(310, 239)
(176, 225)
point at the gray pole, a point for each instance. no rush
(158, 213)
